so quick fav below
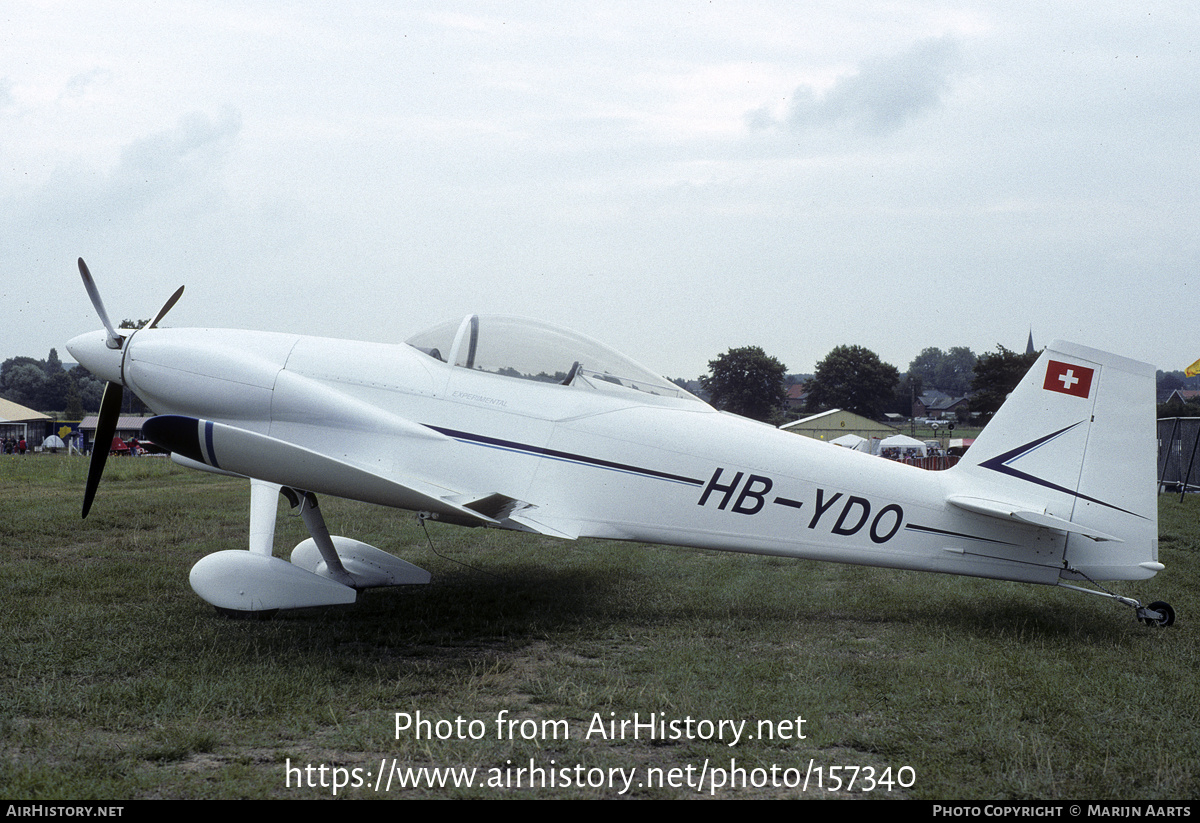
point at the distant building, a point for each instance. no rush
(1183, 395)
(796, 395)
(937, 405)
(128, 425)
(17, 421)
(832, 424)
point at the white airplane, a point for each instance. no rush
(463, 424)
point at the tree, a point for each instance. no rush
(925, 365)
(74, 408)
(23, 381)
(746, 381)
(53, 364)
(855, 379)
(90, 388)
(950, 372)
(7, 369)
(55, 393)
(957, 371)
(996, 375)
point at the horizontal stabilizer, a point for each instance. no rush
(1009, 511)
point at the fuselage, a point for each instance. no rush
(596, 459)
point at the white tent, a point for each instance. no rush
(852, 441)
(905, 445)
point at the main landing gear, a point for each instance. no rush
(325, 570)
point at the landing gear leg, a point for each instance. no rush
(1157, 613)
(320, 535)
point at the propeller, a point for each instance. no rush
(106, 427)
(114, 340)
(171, 301)
(114, 392)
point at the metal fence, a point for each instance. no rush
(1178, 457)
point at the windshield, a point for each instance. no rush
(532, 350)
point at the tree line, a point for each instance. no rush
(46, 385)
(749, 382)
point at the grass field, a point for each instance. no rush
(119, 683)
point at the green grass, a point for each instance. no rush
(117, 682)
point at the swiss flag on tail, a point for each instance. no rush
(1068, 379)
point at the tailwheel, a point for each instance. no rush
(1157, 613)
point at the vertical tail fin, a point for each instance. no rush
(1073, 449)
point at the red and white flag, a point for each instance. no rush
(1068, 379)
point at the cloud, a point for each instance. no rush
(178, 156)
(80, 84)
(880, 98)
(162, 182)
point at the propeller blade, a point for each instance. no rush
(114, 339)
(106, 427)
(171, 301)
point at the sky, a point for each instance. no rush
(673, 178)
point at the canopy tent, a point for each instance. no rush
(853, 441)
(903, 445)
